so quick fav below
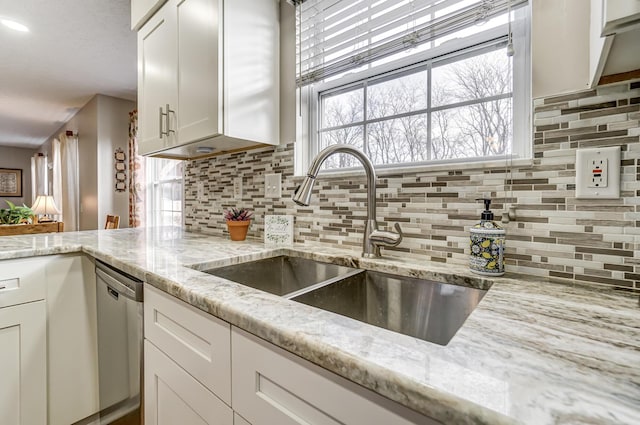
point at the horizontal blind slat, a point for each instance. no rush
(392, 19)
(332, 41)
(331, 20)
(327, 49)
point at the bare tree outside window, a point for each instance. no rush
(466, 103)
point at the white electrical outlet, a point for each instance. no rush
(200, 190)
(272, 186)
(598, 173)
(237, 188)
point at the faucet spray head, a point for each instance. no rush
(302, 194)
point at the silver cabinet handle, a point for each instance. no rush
(162, 133)
(168, 121)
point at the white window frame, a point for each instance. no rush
(153, 186)
(308, 98)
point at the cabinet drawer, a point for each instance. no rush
(22, 281)
(172, 396)
(273, 386)
(195, 340)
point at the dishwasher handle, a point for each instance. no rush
(125, 287)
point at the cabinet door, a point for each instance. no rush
(200, 77)
(157, 80)
(619, 16)
(23, 382)
(141, 10)
(252, 70)
(172, 396)
(272, 386)
(197, 341)
(239, 420)
(73, 342)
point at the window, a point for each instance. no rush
(164, 193)
(451, 96)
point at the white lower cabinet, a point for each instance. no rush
(273, 386)
(197, 341)
(48, 340)
(201, 370)
(172, 396)
(23, 382)
(72, 339)
(23, 342)
(187, 364)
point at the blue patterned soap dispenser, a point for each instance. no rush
(487, 244)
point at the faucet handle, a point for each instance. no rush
(387, 238)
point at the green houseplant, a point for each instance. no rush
(238, 221)
(15, 214)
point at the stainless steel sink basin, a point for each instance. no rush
(428, 310)
(283, 275)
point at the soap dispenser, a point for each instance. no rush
(487, 244)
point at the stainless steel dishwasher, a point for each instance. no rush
(120, 339)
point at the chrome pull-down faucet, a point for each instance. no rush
(373, 237)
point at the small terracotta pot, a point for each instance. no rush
(238, 229)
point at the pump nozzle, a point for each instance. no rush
(486, 214)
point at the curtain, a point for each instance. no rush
(69, 181)
(339, 36)
(56, 178)
(136, 175)
(39, 176)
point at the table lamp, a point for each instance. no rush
(45, 205)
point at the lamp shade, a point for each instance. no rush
(45, 205)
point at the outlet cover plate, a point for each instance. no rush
(273, 186)
(598, 173)
(237, 188)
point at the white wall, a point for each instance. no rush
(102, 126)
(85, 124)
(19, 158)
(113, 133)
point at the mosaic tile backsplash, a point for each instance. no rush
(554, 234)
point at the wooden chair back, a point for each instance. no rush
(113, 222)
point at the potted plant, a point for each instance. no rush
(238, 221)
(15, 214)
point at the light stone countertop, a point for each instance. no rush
(532, 352)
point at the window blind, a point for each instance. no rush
(336, 36)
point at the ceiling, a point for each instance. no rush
(74, 50)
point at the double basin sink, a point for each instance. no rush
(429, 310)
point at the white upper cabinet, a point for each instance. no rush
(141, 10)
(619, 16)
(208, 77)
(613, 41)
(157, 77)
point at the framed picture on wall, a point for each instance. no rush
(10, 183)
